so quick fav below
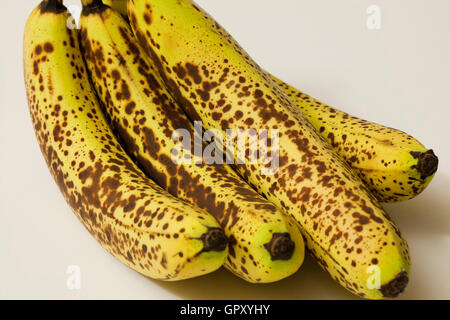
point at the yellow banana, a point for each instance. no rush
(130, 216)
(394, 165)
(265, 246)
(215, 81)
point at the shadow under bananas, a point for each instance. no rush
(424, 221)
(425, 224)
(426, 214)
(310, 282)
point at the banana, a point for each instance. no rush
(265, 246)
(394, 165)
(128, 214)
(215, 81)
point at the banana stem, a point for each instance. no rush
(89, 2)
(92, 6)
(55, 6)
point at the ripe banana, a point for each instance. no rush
(265, 246)
(394, 165)
(130, 216)
(215, 81)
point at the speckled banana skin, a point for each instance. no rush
(214, 80)
(145, 115)
(118, 5)
(130, 216)
(394, 165)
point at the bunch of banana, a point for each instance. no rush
(265, 245)
(106, 119)
(130, 216)
(215, 81)
(394, 165)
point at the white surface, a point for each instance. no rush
(398, 75)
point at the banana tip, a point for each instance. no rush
(280, 247)
(396, 286)
(428, 163)
(214, 240)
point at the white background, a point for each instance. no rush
(398, 75)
